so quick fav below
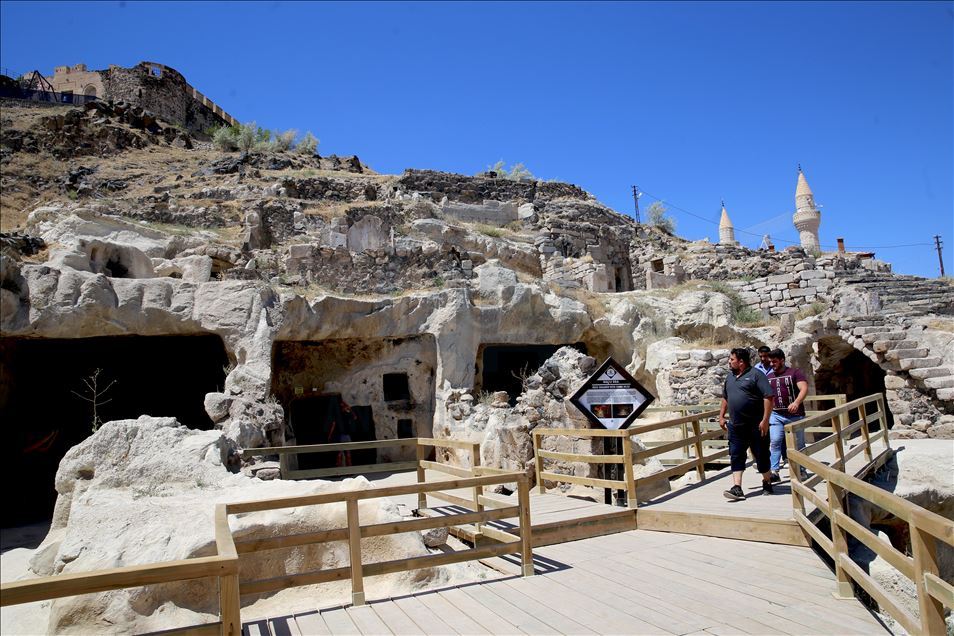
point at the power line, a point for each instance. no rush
(830, 247)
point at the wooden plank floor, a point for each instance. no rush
(635, 582)
(706, 497)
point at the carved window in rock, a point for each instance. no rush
(396, 387)
(405, 429)
(657, 265)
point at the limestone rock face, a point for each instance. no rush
(143, 491)
(504, 432)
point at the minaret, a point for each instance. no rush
(726, 229)
(807, 217)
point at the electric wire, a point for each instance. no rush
(673, 206)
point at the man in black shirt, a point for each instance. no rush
(747, 396)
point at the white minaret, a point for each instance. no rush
(807, 217)
(726, 229)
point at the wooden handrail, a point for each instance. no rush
(926, 528)
(629, 482)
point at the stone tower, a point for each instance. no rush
(807, 217)
(726, 229)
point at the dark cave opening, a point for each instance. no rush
(502, 367)
(844, 369)
(45, 381)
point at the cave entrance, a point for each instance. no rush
(844, 369)
(327, 419)
(387, 384)
(503, 367)
(43, 383)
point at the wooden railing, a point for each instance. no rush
(224, 567)
(869, 410)
(287, 472)
(629, 483)
(926, 528)
(355, 531)
(815, 432)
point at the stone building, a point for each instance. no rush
(155, 87)
(807, 217)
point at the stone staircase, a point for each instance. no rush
(895, 344)
(903, 295)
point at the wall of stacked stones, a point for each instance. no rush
(169, 95)
(787, 292)
(468, 189)
(696, 377)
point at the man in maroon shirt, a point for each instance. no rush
(789, 388)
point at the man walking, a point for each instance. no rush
(789, 388)
(748, 398)
(764, 364)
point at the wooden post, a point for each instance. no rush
(839, 541)
(883, 420)
(421, 476)
(478, 490)
(924, 547)
(628, 470)
(837, 426)
(700, 464)
(685, 435)
(865, 433)
(539, 462)
(526, 530)
(230, 605)
(794, 470)
(354, 547)
(283, 466)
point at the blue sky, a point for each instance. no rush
(693, 102)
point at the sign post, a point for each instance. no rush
(611, 398)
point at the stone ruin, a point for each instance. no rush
(244, 296)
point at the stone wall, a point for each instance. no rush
(167, 94)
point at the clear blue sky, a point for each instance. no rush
(692, 102)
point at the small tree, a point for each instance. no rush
(223, 138)
(286, 140)
(246, 138)
(94, 395)
(657, 215)
(516, 172)
(308, 144)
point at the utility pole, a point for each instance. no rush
(636, 195)
(938, 244)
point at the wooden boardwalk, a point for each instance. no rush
(635, 582)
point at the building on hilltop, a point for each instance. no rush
(149, 85)
(726, 229)
(807, 217)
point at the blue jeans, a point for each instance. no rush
(777, 424)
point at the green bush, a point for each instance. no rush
(285, 141)
(224, 138)
(246, 137)
(515, 173)
(308, 144)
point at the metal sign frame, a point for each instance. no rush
(624, 375)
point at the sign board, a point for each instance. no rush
(611, 397)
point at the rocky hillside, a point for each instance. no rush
(130, 226)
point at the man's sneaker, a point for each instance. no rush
(767, 488)
(776, 478)
(734, 493)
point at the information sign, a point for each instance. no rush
(611, 397)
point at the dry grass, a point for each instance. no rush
(942, 325)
